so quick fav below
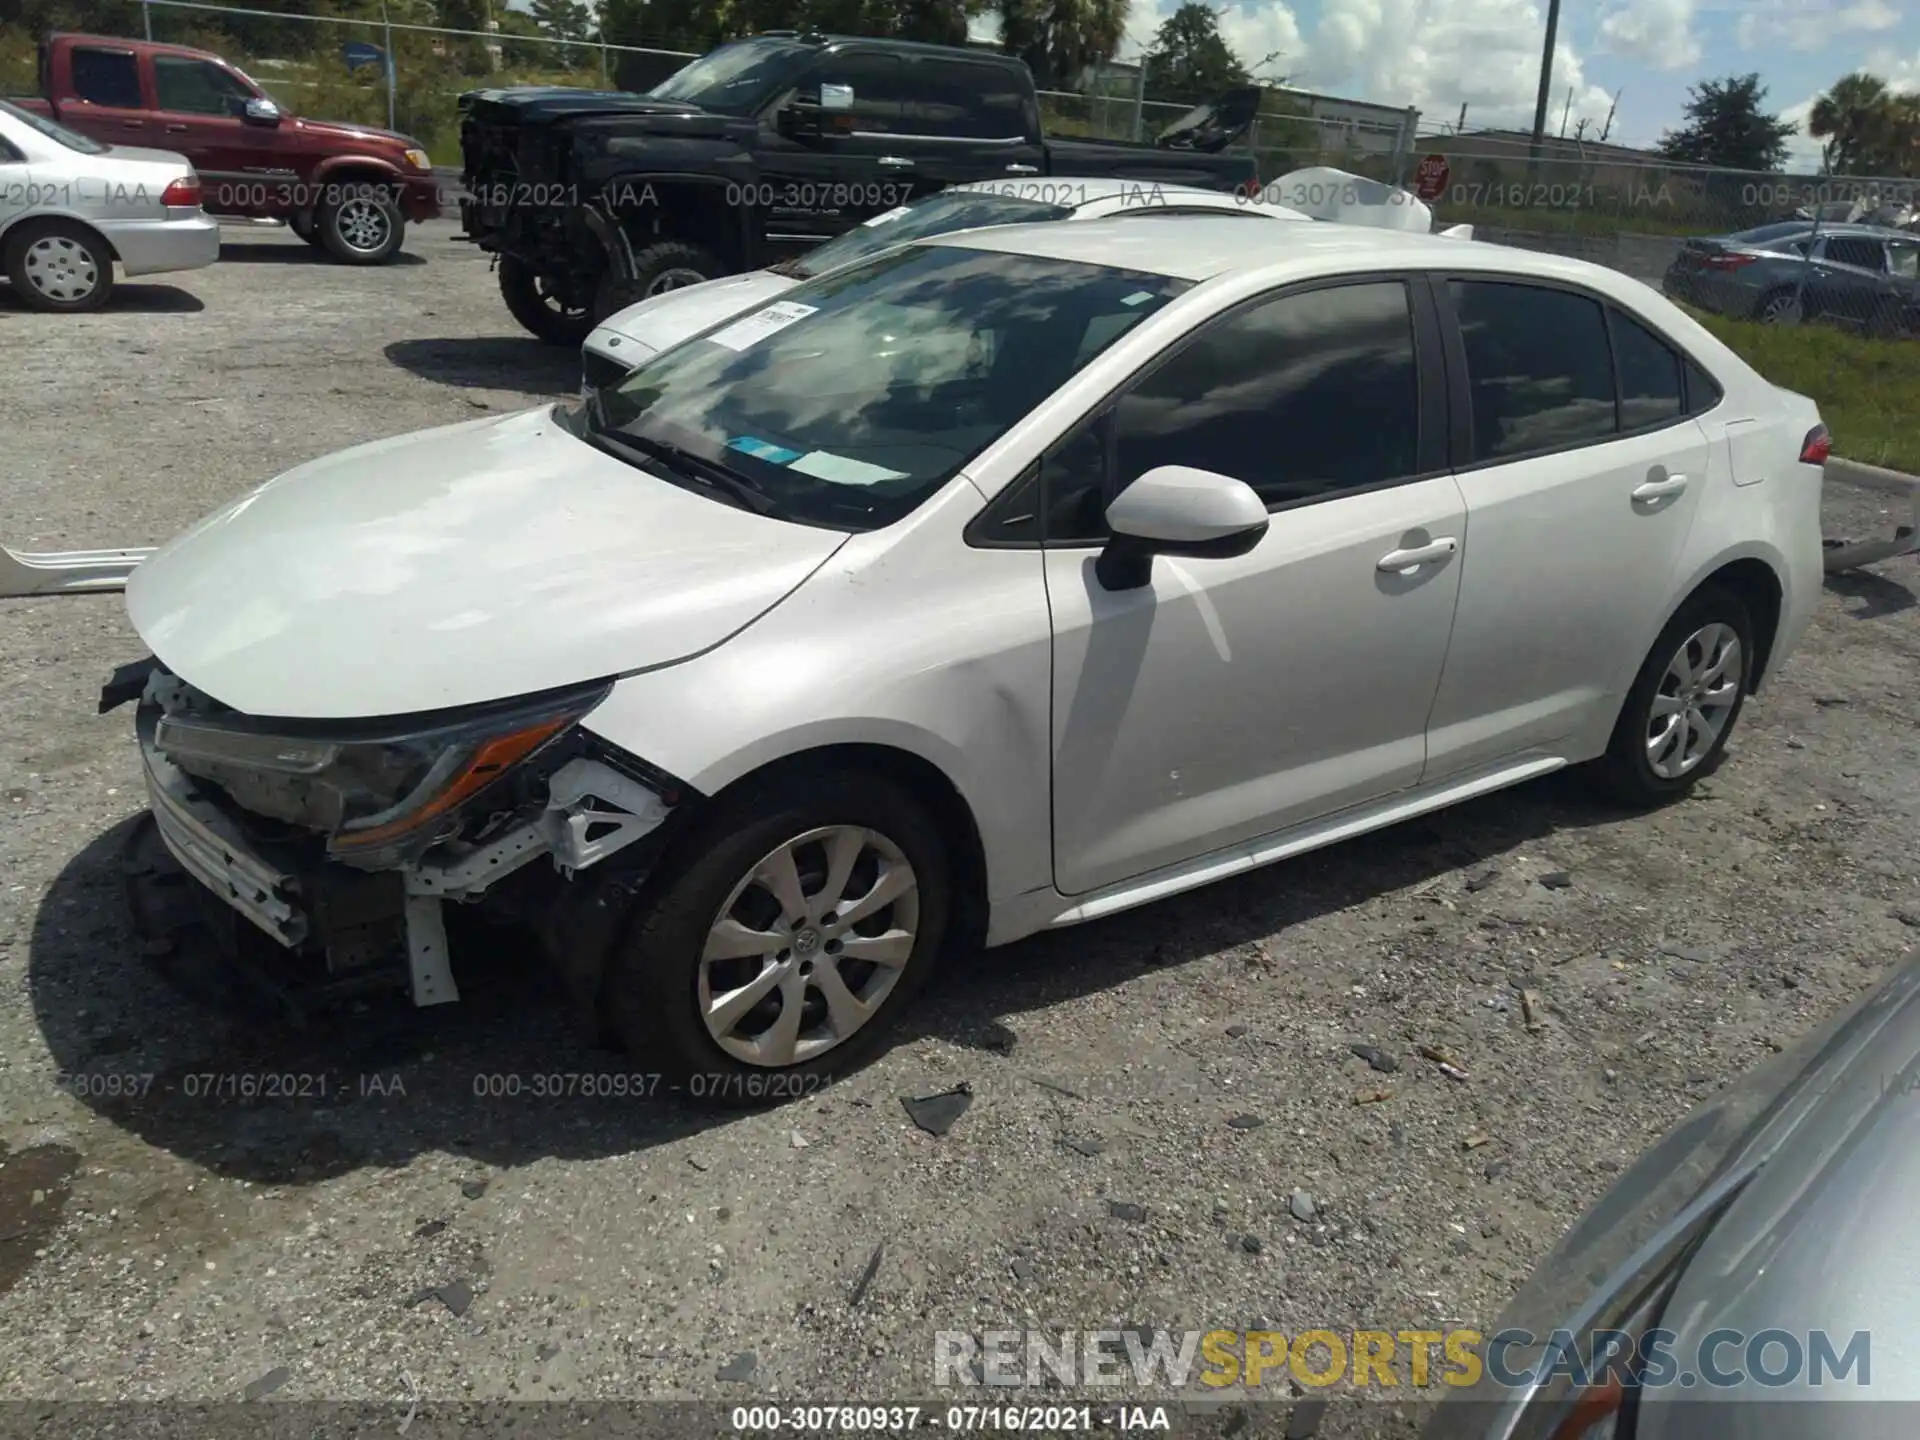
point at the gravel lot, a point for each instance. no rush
(177, 1246)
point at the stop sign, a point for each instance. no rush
(1430, 177)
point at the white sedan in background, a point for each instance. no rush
(642, 330)
(649, 326)
(70, 207)
(990, 584)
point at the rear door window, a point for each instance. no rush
(1539, 367)
(106, 77)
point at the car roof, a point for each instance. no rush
(1199, 247)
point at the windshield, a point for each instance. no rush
(936, 215)
(734, 79)
(852, 398)
(72, 139)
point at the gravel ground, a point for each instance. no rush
(173, 1245)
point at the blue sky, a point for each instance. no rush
(1437, 54)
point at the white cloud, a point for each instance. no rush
(1658, 33)
(1901, 72)
(1803, 151)
(1810, 25)
(1264, 32)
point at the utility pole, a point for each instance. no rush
(1460, 125)
(1546, 85)
(146, 14)
(1566, 110)
(1607, 129)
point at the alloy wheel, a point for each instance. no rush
(808, 946)
(61, 268)
(363, 225)
(1781, 310)
(1695, 700)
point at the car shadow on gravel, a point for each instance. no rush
(1879, 596)
(492, 362)
(291, 250)
(157, 1046)
(127, 298)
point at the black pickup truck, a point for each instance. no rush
(758, 152)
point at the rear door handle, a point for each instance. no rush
(896, 162)
(1396, 561)
(181, 128)
(1655, 489)
(1023, 169)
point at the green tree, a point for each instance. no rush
(1059, 39)
(1728, 128)
(1190, 61)
(564, 20)
(1869, 129)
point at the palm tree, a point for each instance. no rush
(1849, 118)
(1060, 38)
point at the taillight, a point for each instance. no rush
(1728, 262)
(182, 192)
(1818, 445)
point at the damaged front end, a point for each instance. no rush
(343, 841)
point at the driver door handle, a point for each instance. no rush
(180, 128)
(1655, 489)
(896, 162)
(1396, 561)
(1023, 169)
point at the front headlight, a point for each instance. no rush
(419, 159)
(372, 790)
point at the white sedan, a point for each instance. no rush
(664, 319)
(70, 207)
(991, 584)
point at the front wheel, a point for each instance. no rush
(1681, 710)
(361, 229)
(540, 307)
(804, 914)
(58, 265)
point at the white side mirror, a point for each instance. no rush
(1177, 510)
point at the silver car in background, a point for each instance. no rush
(1862, 277)
(70, 208)
(1752, 1275)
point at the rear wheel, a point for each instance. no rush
(803, 915)
(540, 307)
(1779, 307)
(1681, 710)
(58, 265)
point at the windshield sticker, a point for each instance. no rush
(1139, 297)
(744, 334)
(763, 450)
(887, 218)
(824, 465)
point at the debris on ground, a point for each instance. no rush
(1533, 1010)
(1376, 1058)
(1301, 1206)
(1127, 1210)
(797, 1141)
(936, 1114)
(473, 1189)
(1556, 880)
(267, 1383)
(740, 1368)
(866, 1276)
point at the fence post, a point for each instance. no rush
(386, 36)
(1139, 97)
(1403, 144)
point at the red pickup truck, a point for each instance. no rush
(347, 189)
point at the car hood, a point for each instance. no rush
(343, 130)
(470, 563)
(665, 320)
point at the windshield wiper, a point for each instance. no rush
(698, 468)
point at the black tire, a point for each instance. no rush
(1625, 773)
(302, 225)
(541, 313)
(658, 269)
(362, 227)
(69, 257)
(651, 994)
(1761, 306)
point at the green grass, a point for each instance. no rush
(1868, 391)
